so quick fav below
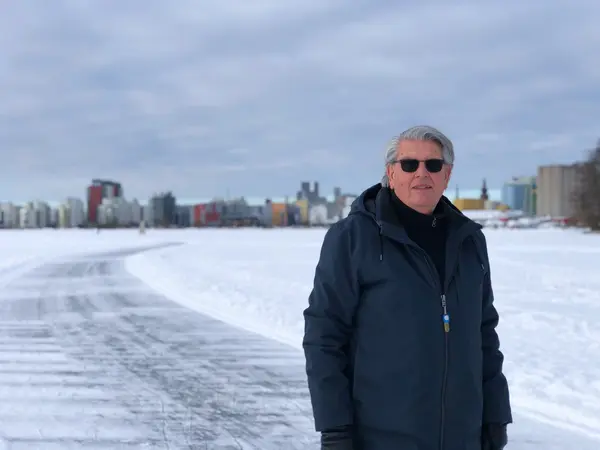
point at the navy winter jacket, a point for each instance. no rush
(409, 363)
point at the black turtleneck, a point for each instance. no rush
(428, 231)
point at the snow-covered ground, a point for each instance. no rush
(23, 250)
(546, 284)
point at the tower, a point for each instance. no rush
(484, 191)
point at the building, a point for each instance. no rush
(312, 196)
(317, 215)
(136, 212)
(279, 214)
(184, 215)
(41, 212)
(148, 215)
(76, 212)
(164, 210)
(27, 216)
(53, 217)
(555, 187)
(199, 216)
(484, 191)
(466, 204)
(98, 191)
(115, 212)
(63, 216)
(520, 193)
(9, 215)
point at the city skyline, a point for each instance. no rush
(494, 194)
(252, 96)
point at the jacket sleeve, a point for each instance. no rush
(496, 399)
(328, 329)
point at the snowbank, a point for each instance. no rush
(254, 279)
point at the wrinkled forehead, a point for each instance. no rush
(418, 149)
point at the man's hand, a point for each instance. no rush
(494, 437)
(337, 439)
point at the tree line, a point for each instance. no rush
(587, 192)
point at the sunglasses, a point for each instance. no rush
(411, 165)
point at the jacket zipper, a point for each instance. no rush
(446, 323)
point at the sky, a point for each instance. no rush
(230, 97)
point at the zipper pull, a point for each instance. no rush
(434, 223)
(445, 315)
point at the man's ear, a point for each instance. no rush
(389, 171)
(448, 174)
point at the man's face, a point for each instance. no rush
(421, 189)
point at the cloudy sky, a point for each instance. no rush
(249, 97)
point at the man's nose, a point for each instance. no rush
(422, 170)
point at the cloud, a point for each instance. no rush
(206, 96)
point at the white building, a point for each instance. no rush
(41, 212)
(27, 216)
(53, 217)
(115, 211)
(9, 215)
(317, 215)
(346, 206)
(76, 212)
(136, 212)
(148, 214)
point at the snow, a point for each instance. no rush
(23, 250)
(545, 281)
(255, 279)
(546, 284)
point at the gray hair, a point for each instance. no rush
(418, 133)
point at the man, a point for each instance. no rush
(400, 332)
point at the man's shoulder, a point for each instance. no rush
(481, 247)
(480, 238)
(352, 224)
(351, 230)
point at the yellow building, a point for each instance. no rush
(279, 214)
(303, 207)
(63, 216)
(466, 204)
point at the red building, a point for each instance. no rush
(96, 192)
(213, 214)
(199, 215)
(206, 214)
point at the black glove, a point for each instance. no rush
(337, 439)
(493, 436)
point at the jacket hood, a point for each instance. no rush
(365, 202)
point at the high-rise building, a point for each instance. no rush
(555, 188)
(519, 194)
(164, 209)
(96, 192)
(76, 213)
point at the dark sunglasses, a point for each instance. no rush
(411, 165)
